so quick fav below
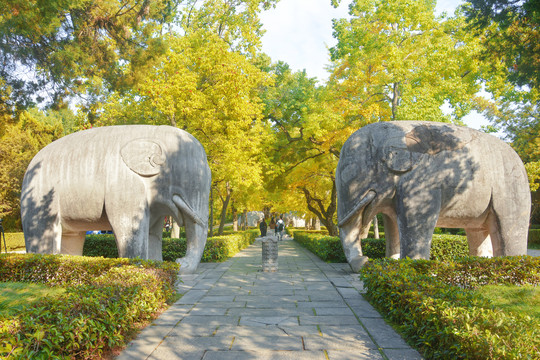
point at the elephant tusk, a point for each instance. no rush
(359, 205)
(187, 210)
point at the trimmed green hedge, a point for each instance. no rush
(104, 300)
(430, 303)
(329, 248)
(218, 248)
(448, 247)
(534, 236)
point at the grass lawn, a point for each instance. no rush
(14, 242)
(15, 295)
(517, 299)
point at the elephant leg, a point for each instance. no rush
(41, 224)
(417, 215)
(196, 240)
(129, 219)
(73, 242)
(391, 234)
(509, 224)
(155, 239)
(508, 235)
(479, 242)
(43, 236)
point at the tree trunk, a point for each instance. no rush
(315, 223)
(395, 100)
(235, 217)
(325, 215)
(376, 227)
(244, 220)
(224, 209)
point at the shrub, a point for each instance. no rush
(371, 234)
(291, 231)
(443, 247)
(218, 248)
(374, 248)
(448, 247)
(329, 248)
(534, 236)
(435, 311)
(100, 245)
(104, 299)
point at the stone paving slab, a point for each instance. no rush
(308, 309)
(265, 355)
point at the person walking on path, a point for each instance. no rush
(263, 227)
(272, 225)
(280, 227)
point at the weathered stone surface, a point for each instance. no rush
(120, 178)
(269, 254)
(271, 326)
(422, 174)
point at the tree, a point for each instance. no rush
(307, 139)
(396, 60)
(70, 46)
(511, 36)
(19, 142)
(236, 22)
(511, 33)
(204, 87)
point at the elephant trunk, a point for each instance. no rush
(352, 229)
(196, 234)
(186, 210)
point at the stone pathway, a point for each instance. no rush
(533, 252)
(307, 310)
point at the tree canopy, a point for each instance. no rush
(511, 32)
(272, 135)
(58, 48)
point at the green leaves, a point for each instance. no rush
(435, 311)
(103, 302)
(218, 248)
(395, 60)
(329, 248)
(76, 45)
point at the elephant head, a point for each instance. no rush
(373, 161)
(174, 167)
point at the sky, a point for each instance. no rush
(299, 32)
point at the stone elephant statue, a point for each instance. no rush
(120, 178)
(424, 174)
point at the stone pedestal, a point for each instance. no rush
(269, 254)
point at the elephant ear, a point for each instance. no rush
(144, 157)
(398, 158)
(401, 154)
(432, 140)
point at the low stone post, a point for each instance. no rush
(269, 254)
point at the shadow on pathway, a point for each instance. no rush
(307, 310)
